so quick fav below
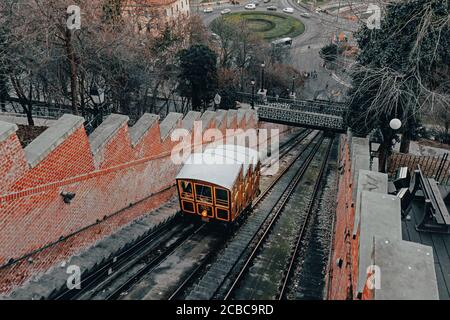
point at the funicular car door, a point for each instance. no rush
(204, 199)
(222, 203)
(186, 194)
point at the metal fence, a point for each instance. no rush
(437, 167)
(39, 112)
(92, 119)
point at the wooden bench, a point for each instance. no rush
(436, 217)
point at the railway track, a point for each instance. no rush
(116, 266)
(216, 277)
(290, 270)
(147, 265)
(267, 256)
(143, 256)
(280, 215)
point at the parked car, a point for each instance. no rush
(208, 10)
(305, 14)
(319, 9)
(225, 11)
(215, 37)
(288, 10)
(282, 42)
(272, 8)
(250, 6)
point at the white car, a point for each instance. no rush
(215, 36)
(288, 10)
(305, 14)
(319, 9)
(250, 6)
(208, 10)
(225, 11)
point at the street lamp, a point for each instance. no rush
(263, 65)
(395, 124)
(98, 97)
(253, 94)
(293, 84)
(217, 100)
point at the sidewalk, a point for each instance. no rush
(22, 119)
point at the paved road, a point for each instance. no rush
(319, 29)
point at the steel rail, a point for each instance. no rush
(150, 266)
(300, 236)
(286, 169)
(93, 278)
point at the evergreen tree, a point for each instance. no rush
(198, 75)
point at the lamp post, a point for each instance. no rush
(394, 124)
(217, 100)
(253, 94)
(243, 66)
(263, 65)
(98, 97)
(388, 142)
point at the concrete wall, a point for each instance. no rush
(368, 237)
(117, 174)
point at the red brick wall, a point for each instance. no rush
(12, 162)
(341, 279)
(38, 230)
(71, 158)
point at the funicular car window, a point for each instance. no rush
(221, 197)
(186, 189)
(203, 193)
(188, 206)
(222, 214)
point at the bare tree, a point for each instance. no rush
(399, 73)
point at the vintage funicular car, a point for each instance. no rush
(220, 183)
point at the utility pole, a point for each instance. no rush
(337, 20)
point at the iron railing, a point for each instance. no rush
(437, 167)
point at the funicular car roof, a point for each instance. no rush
(219, 165)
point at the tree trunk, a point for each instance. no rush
(3, 92)
(82, 97)
(3, 103)
(73, 71)
(196, 102)
(405, 142)
(382, 158)
(385, 149)
(28, 109)
(30, 117)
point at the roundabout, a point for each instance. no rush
(269, 26)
